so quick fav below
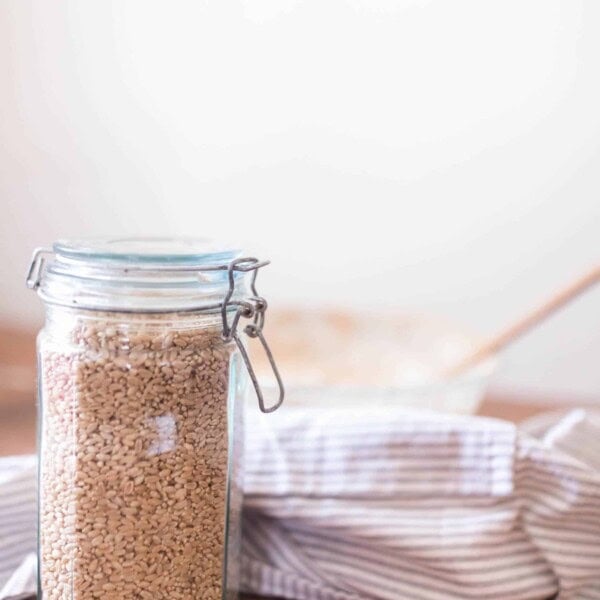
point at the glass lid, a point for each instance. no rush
(145, 274)
(147, 251)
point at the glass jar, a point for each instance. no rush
(141, 383)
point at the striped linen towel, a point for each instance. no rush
(370, 503)
(18, 533)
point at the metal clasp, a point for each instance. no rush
(36, 268)
(253, 308)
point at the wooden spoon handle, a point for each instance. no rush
(530, 320)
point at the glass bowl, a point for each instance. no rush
(349, 357)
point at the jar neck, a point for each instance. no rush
(122, 288)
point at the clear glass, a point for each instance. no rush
(140, 443)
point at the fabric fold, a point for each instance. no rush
(417, 505)
(374, 503)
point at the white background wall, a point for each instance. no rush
(397, 154)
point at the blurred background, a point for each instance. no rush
(391, 157)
